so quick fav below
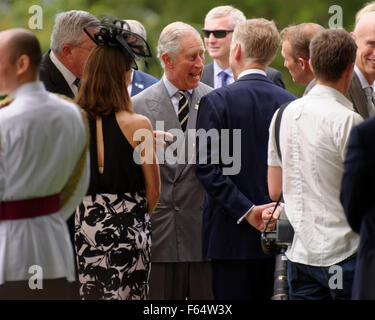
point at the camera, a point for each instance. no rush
(276, 242)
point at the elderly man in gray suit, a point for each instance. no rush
(360, 92)
(177, 269)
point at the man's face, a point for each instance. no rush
(291, 63)
(7, 70)
(218, 49)
(365, 60)
(185, 70)
(80, 54)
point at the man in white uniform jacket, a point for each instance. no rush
(44, 174)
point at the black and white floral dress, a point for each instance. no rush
(113, 229)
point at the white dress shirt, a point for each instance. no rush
(173, 93)
(314, 133)
(42, 138)
(217, 78)
(66, 73)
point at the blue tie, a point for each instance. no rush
(224, 78)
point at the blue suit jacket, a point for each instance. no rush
(358, 200)
(141, 81)
(248, 104)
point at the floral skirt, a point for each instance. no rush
(113, 246)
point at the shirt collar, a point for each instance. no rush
(361, 77)
(26, 88)
(171, 89)
(217, 70)
(67, 74)
(322, 90)
(251, 71)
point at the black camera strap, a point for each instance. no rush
(277, 138)
(277, 126)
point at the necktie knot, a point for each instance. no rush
(224, 78)
(77, 82)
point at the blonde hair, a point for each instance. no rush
(259, 40)
(369, 7)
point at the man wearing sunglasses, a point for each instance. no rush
(218, 29)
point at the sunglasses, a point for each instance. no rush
(219, 34)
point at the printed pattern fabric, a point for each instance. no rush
(113, 245)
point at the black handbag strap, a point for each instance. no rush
(277, 126)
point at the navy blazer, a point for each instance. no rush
(358, 199)
(141, 81)
(52, 78)
(247, 104)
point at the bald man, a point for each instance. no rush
(43, 175)
(361, 87)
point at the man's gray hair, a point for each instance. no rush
(169, 40)
(68, 28)
(137, 27)
(236, 16)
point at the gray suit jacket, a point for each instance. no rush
(274, 75)
(357, 96)
(177, 220)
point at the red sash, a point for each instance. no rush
(23, 209)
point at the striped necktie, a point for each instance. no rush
(183, 109)
(370, 100)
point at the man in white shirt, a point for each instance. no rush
(313, 136)
(44, 174)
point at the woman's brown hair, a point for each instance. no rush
(103, 89)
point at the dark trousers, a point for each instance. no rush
(53, 289)
(321, 283)
(243, 279)
(180, 281)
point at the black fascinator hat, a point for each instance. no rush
(116, 33)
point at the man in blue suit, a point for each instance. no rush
(139, 80)
(236, 198)
(358, 200)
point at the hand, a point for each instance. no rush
(255, 216)
(266, 215)
(160, 138)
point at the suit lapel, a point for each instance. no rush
(357, 97)
(56, 79)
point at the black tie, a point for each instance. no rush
(183, 110)
(77, 82)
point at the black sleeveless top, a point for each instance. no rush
(121, 174)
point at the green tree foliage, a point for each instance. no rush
(156, 14)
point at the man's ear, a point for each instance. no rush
(167, 60)
(66, 50)
(22, 64)
(237, 51)
(303, 63)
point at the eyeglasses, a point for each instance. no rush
(219, 34)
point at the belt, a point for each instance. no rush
(30, 208)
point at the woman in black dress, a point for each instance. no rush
(112, 225)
